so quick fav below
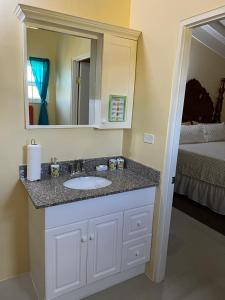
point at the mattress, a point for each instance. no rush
(205, 162)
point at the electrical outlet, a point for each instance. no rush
(149, 138)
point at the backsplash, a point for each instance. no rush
(90, 164)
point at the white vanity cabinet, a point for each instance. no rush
(80, 248)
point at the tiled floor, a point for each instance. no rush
(199, 212)
(19, 288)
(195, 270)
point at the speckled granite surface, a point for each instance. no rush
(50, 191)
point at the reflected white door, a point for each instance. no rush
(83, 98)
(80, 92)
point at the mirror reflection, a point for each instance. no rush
(59, 68)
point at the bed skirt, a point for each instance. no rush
(202, 192)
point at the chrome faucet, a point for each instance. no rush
(77, 167)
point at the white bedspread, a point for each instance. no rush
(213, 149)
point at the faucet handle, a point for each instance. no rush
(82, 165)
(72, 169)
(78, 166)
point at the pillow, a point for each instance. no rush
(196, 123)
(215, 132)
(192, 134)
(186, 123)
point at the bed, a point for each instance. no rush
(200, 173)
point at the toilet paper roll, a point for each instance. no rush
(33, 162)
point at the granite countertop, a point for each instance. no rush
(50, 191)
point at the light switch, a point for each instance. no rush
(149, 138)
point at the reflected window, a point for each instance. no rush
(32, 90)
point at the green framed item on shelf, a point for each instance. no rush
(117, 108)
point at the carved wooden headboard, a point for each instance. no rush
(198, 105)
(219, 103)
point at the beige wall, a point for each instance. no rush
(159, 22)
(64, 143)
(207, 67)
(69, 47)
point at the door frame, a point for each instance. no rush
(173, 133)
(74, 90)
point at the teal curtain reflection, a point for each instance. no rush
(41, 69)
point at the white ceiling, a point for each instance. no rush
(212, 35)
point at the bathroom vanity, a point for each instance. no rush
(83, 241)
(83, 247)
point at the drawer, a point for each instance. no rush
(137, 222)
(136, 252)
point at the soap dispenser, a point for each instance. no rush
(54, 167)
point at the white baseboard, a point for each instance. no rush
(14, 276)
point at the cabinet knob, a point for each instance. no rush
(91, 238)
(138, 223)
(84, 239)
(137, 253)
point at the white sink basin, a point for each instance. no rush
(87, 183)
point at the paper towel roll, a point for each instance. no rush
(33, 162)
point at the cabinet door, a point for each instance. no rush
(118, 77)
(66, 254)
(104, 246)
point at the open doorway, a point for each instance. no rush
(176, 110)
(80, 90)
(200, 182)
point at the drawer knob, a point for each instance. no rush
(138, 223)
(84, 239)
(137, 253)
(91, 238)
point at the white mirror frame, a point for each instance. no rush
(49, 20)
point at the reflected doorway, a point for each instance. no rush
(80, 93)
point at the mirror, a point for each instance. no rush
(60, 78)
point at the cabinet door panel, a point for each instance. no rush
(104, 246)
(65, 258)
(118, 77)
